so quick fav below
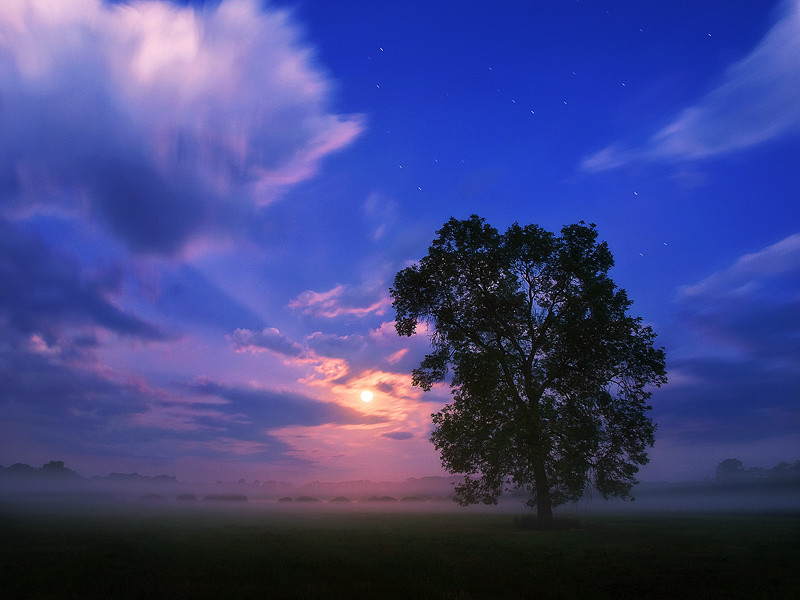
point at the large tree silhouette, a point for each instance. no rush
(550, 375)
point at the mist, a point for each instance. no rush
(54, 488)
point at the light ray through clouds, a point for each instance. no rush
(756, 101)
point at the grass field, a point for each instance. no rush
(220, 552)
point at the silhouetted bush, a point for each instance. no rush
(226, 497)
(56, 468)
(153, 497)
(306, 499)
(381, 499)
(340, 499)
(285, 499)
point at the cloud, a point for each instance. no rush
(341, 300)
(63, 397)
(398, 435)
(779, 261)
(380, 213)
(267, 339)
(44, 293)
(56, 389)
(378, 346)
(733, 401)
(755, 102)
(271, 409)
(742, 386)
(753, 306)
(161, 122)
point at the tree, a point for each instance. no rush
(550, 376)
(730, 469)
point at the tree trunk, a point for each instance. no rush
(544, 503)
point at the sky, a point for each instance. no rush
(203, 206)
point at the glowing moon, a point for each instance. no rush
(366, 396)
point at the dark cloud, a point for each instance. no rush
(745, 385)
(719, 400)
(753, 306)
(270, 409)
(55, 389)
(398, 435)
(43, 292)
(266, 339)
(143, 208)
(63, 398)
(76, 403)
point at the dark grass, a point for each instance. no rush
(313, 553)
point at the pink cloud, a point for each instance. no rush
(342, 300)
(396, 356)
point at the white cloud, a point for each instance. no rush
(752, 307)
(187, 118)
(757, 101)
(342, 300)
(266, 339)
(380, 214)
(750, 271)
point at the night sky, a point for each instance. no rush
(203, 205)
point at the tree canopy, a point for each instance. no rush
(549, 374)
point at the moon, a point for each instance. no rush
(366, 396)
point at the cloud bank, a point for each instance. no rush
(744, 390)
(45, 294)
(756, 101)
(754, 305)
(160, 122)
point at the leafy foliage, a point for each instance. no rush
(549, 374)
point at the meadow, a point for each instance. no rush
(316, 552)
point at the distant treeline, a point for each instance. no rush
(733, 471)
(729, 472)
(57, 469)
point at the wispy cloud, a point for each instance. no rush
(341, 301)
(756, 101)
(380, 214)
(754, 305)
(165, 124)
(268, 339)
(750, 272)
(743, 388)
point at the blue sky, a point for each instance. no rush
(202, 206)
